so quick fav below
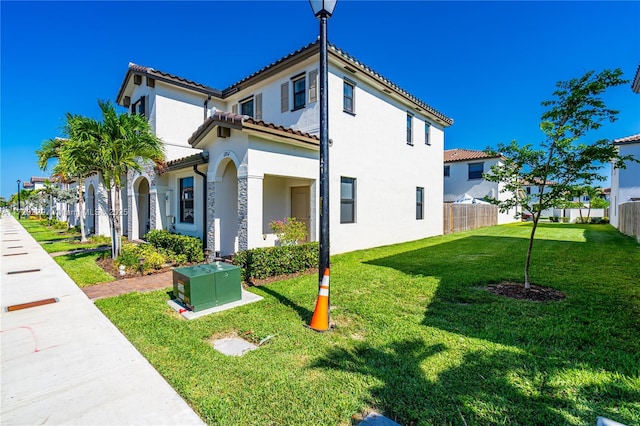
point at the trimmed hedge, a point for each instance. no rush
(271, 261)
(191, 247)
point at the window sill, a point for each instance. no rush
(298, 108)
(349, 112)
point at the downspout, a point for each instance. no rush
(204, 209)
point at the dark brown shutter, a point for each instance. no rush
(313, 86)
(284, 97)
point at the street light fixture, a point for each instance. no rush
(323, 9)
(18, 182)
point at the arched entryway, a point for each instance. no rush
(226, 207)
(91, 210)
(143, 207)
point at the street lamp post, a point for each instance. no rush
(323, 9)
(19, 215)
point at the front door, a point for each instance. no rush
(300, 206)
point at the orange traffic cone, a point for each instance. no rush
(320, 319)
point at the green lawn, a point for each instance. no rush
(419, 338)
(83, 269)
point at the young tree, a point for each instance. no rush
(563, 158)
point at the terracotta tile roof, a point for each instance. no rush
(27, 185)
(181, 163)
(300, 54)
(461, 154)
(35, 179)
(628, 139)
(238, 121)
(311, 49)
(167, 77)
(537, 182)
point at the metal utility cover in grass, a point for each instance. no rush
(233, 346)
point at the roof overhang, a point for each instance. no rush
(160, 76)
(185, 162)
(247, 124)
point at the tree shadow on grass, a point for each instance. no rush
(478, 390)
(593, 331)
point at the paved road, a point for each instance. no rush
(65, 362)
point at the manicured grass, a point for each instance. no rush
(41, 232)
(83, 269)
(418, 337)
(59, 246)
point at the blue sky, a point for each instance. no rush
(488, 65)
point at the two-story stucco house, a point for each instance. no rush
(463, 170)
(625, 183)
(246, 155)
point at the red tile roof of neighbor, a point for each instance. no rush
(461, 154)
(628, 139)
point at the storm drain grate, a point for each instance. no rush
(31, 304)
(13, 254)
(23, 271)
(8, 241)
(14, 247)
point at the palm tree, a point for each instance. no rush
(73, 163)
(118, 143)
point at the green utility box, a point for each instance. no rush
(205, 286)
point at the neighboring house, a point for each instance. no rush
(625, 183)
(241, 157)
(463, 170)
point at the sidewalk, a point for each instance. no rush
(129, 285)
(63, 361)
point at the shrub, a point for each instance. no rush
(100, 239)
(178, 246)
(129, 256)
(152, 257)
(271, 261)
(605, 219)
(289, 230)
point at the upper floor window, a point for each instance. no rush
(419, 203)
(299, 92)
(447, 171)
(139, 107)
(528, 190)
(246, 107)
(186, 200)
(476, 170)
(427, 127)
(348, 100)
(409, 129)
(347, 200)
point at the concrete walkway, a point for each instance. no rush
(62, 361)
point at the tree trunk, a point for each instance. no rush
(50, 207)
(112, 227)
(83, 231)
(116, 220)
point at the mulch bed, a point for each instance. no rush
(536, 293)
(109, 267)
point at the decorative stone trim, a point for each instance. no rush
(211, 220)
(243, 210)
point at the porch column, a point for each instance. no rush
(255, 207)
(243, 213)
